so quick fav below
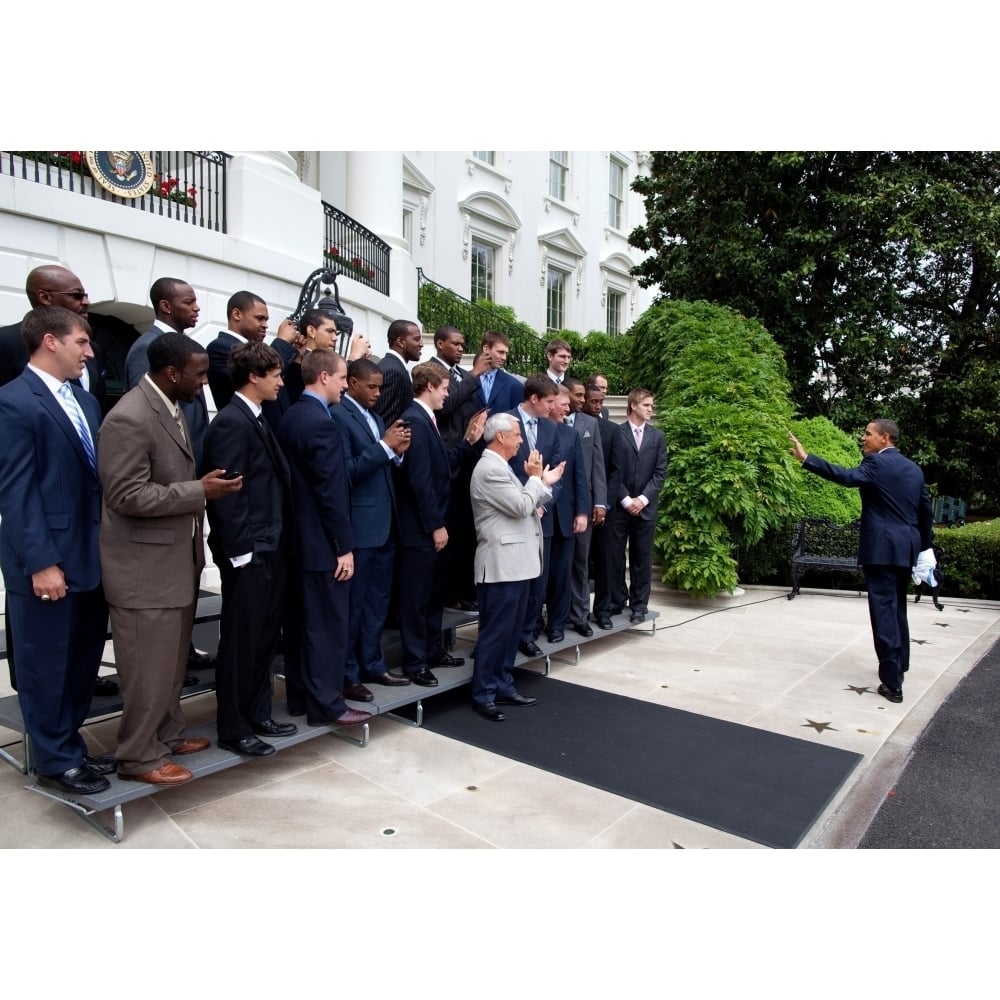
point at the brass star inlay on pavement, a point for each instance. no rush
(819, 726)
(857, 690)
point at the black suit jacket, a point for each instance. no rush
(314, 449)
(397, 389)
(218, 368)
(637, 472)
(463, 402)
(251, 519)
(547, 443)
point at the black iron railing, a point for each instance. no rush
(355, 252)
(188, 186)
(440, 306)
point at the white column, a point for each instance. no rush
(269, 205)
(374, 197)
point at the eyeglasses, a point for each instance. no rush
(79, 296)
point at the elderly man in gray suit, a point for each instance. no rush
(508, 558)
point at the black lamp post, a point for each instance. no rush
(315, 296)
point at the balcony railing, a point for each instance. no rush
(189, 186)
(440, 306)
(354, 251)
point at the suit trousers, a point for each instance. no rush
(252, 610)
(420, 607)
(637, 533)
(60, 645)
(887, 586)
(151, 651)
(533, 621)
(559, 588)
(371, 590)
(315, 646)
(501, 611)
(579, 606)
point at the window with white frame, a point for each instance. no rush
(483, 257)
(408, 229)
(558, 174)
(555, 299)
(616, 309)
(616, 194)
(487, 156)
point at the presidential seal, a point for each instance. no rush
(126, 174)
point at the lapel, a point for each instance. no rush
(166, 419)
(263, 431)
(434, 432)
(55, 410)
(359, 418)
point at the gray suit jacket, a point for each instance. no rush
(593, 457)
(151, 530)
(508, 532)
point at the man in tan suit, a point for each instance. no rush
(152, 553)
(508, 558)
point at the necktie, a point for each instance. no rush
(486, 383)
(434, 422)
(456, 373)
(372, 426)
(75, 414)
(532, 436)
(570, 418)
(638, 436)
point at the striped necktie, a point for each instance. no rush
(73, 411)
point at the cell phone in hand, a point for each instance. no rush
(232, 475)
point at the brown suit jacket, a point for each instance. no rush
(151, 532)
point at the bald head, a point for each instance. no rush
(54, 285)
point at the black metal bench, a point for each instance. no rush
(820, 545)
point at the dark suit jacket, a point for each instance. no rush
(314, 448)
(574, 497)
(50, 497)
(464, 400)
(507, 394)
(397, 389)
(423, 482)
(218, 368)
(638, 473)
(195, 413)
(369, 468)
(251, 519)
(14, 356)
(548, 444)
(896, 510)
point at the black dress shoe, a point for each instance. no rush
(521, 700)
(104, 687)
(76, 781)
(295, 710)
(615, 611)
(388, 679)
(271, 728)
(461, 605)
(104, 763)
(447, 660)
(887, 692)
(489, 711)
(249, 746)
(582, 628)
(604, 622)
(200, 661)
(358, 692)
(529, 649)
(637, 616)
(190, 680)
(557, 636)
(424, 678)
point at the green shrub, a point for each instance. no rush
(723, 403)
(970, 560)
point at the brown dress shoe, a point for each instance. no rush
(166, 774)
(352, 717)
(191, 745)
(358, 692)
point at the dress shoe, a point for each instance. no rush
(637, 616)
(489, 711)
(104, 687)
(582, 628)
(529, 649)
(295, 710)
(557, 635)
(104, 763)
(616, 611)
(200, 661)
(271, 728)
(190, 680)
(352, 717)
(388, 679)
(461, 605)
(424, 678)
(887, 692)
(193, 744)
(358, 692)
(521, 700)
(249, 746)
(76, 781)
(166, 774)
(447, 660)
(604, 622)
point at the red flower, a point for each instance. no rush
(356, 261)
(334, 250)
(192, 191)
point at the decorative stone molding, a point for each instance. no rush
(466, 234)
(424, 204)
(511, 246)
(604, 289)
(579, 278)
(545, 265)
